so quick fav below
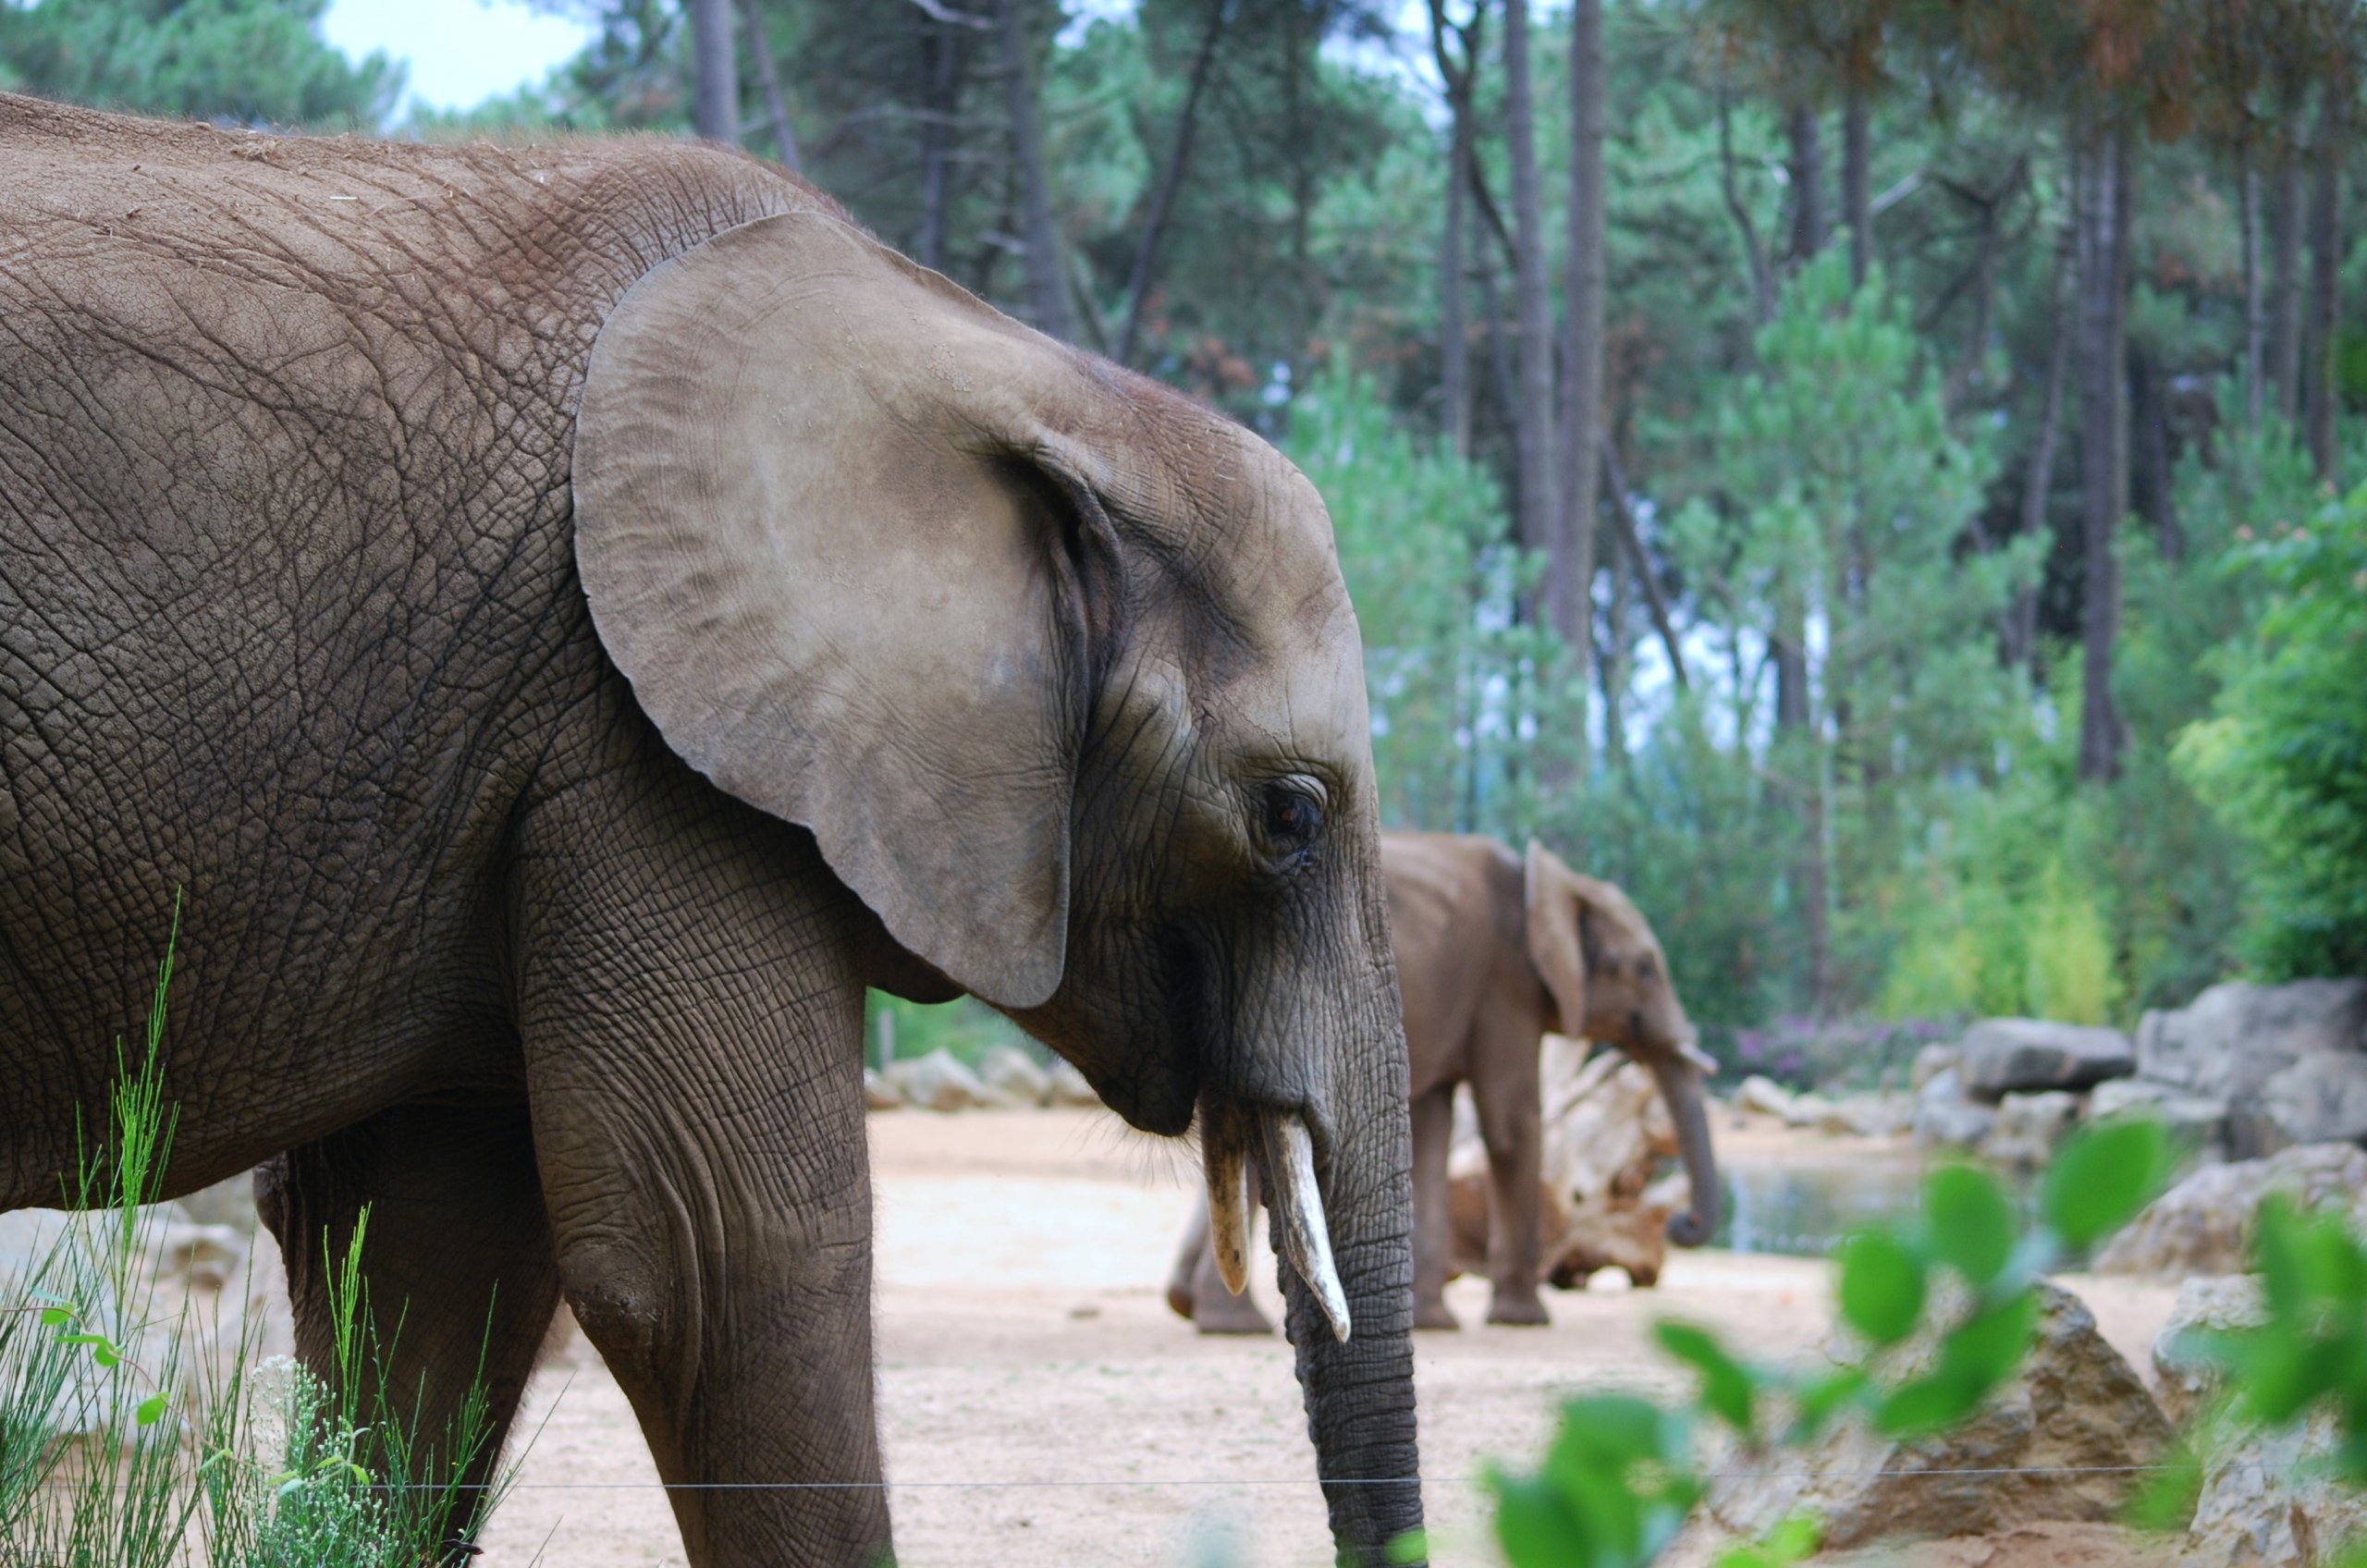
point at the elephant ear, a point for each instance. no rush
(828, 537)
(1554, 947)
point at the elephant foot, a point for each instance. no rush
(1434, 1317)
(1518, 1312)
(1179, 1298)
(1229, 1314)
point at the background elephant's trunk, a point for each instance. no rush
(1360, 1393)
(1687, 1106)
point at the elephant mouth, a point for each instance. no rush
(1233, 1132)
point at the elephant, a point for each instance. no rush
(1494, 950)
(570, 618)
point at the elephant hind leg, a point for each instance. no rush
(460, 1274)
(1433, 1223)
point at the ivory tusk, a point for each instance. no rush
(1222, 1152)
(1299, 1225)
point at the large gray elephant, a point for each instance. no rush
(1493, 949)
(572, 617)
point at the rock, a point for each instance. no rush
(1868, 1116)
(2192, 1119)
(2054, 1444)
(2267, 1502)
(1011, 1077)
(1944, 1118)
(2233, 1038)
(2206, 1304)
(1764, 1096)
(879, 1094)
(2320, 1098)
(936, 1082)
(2004, 1056)
(2203, 1225)
(1067, 1086)
(1930, 1063)
(1808, 1110)
(2030, 1128)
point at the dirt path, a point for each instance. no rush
(1037, 1398)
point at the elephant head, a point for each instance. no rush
(1610, 981)
(1058, 667)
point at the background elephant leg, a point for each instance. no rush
(1181, 1279)
(1433, 1217)
(1511, 1126)
(457, 1256)
(1214, 1309)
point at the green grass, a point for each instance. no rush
(128, 1439)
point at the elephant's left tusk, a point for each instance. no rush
(1222, 1154)
(1299, 1224)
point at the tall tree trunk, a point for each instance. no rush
(2038, 486)
(1622, 516)
(1574, 551)
(1807, 185)
(2284, 288)
(2103, 472)
(1533, 419)
(715, 114)
(2255, 302)
(2149, 454)
(1503, 381)
(1171, 180)
(768, 77)
(1613, 659)
(1048, 293)
(2325, 280)
(1856, 181)
(945, 61)
(1454, 331)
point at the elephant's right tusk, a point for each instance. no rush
(1299, 1224)
(1222, 1154)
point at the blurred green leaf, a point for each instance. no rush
(1970, 1221)
(2165, 1499)
(1533, 1527)
(1413, 1546)
(1820, 1399)
(1926, 1405)
(1728, 1391)
(1985, 1349)
(1882, 1287)
(150, 1410)
(2103, 1177)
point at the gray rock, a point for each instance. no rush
(879, 1094)
(1011, 1077)
(2267, 1502)
(2320, 1098)
(2030, 1128)
(2204, 1224)
(2005, 1056)
(936, 1082)
(2058, 1443)
(2188, 1378)
(1868, 1116)
(1944, 1118)
(2192, 1118)
(2233, 1038)
(1068, 1087)
(1808, 1110)
(1764, 1096)
(1930, 1063)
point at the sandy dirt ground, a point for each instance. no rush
(1039, 1404)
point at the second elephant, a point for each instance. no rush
(1494, 950)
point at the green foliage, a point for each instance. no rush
(2283, 757)
(253, 62)
(127, 1446)
(1620, 1476)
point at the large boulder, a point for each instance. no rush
(1944, 1119)
(2320, 1098)
(2003, 1055)
(879, 1094)
(1066, 1086)
(936, 1082)
(2204, 1224)
(1013, 1079)
(1930, 1063)
(2030, 1128)
(2233, 1038)
(2196, 1120)
(2185, 1375)
(1764, 1096)
(2062, 1441)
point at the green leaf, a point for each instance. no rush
(2167, 1499)
(56, 1317)
(1533, 1527)
(1794, 1538)
(1412, 1547)
(1926, 1405)
(1985, 1349)
(1728, 1391)
(1819, 1400)
(2103, 1177)
(150, 1410)
(1971, 1221)
(1882, 1287)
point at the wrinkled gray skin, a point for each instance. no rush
(1493, 949)
(570, 618)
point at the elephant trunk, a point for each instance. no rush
(1680, 1084)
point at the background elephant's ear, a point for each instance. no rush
(817, 536)
(1554, 943)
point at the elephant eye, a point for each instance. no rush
(1293, 820)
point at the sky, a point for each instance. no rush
(461, 51)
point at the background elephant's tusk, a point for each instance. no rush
(1222, 1154)
(1299, 1223)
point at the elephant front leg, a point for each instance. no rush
(1433, 1217)
(458, 1261)
(1511, 1126)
